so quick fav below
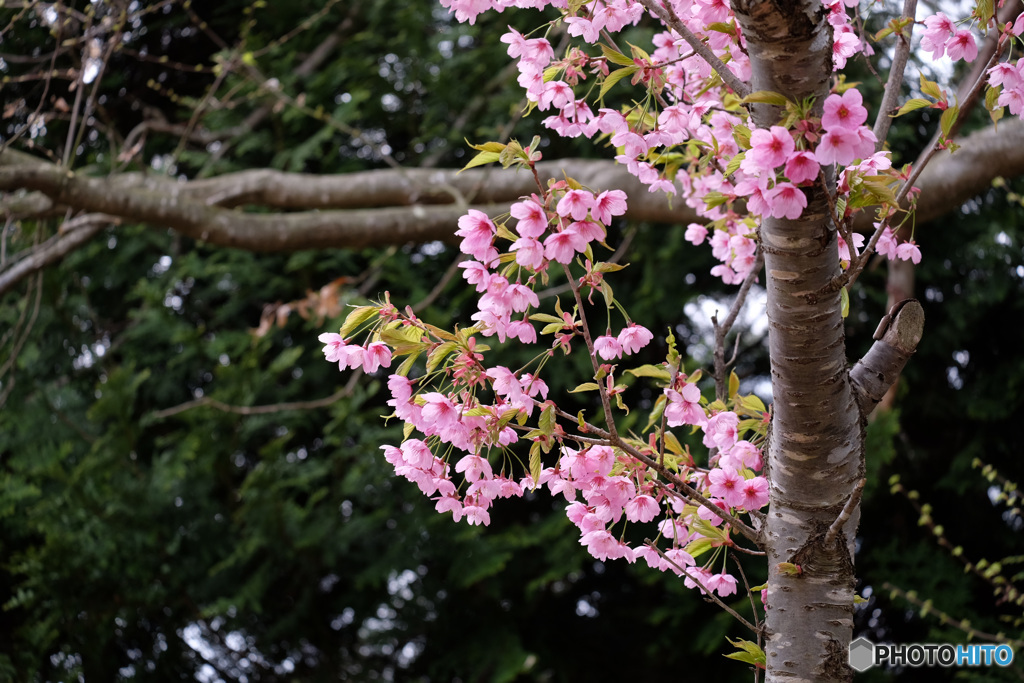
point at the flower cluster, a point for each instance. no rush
(684, 132)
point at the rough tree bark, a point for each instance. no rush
(816, 453)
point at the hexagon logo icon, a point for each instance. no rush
(862, 654)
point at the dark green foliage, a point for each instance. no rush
(143, 540)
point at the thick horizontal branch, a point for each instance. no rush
(896, 340)
(395, 206)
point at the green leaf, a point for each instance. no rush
(488, 146)
(403, 340)
(535, 463)
(844, 302)
(932, 89)
(406, 365)
(734, 163)
(481, 159)
(715, 198)
(616, 76)
(752, 404)
(546, 424)
(985, 10)
(765, 97)
(720, 27)
(586, 386)
(657, 411)
(659, 372)
(912, 105)
(438, 354)
(747, 652)
(672, 444)
(615, 56)
(357, 317)
(741, 134)
(698, 547)
(734, 384)
(608, 267)
(948, 119)
(992, 103)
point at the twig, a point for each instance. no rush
(441, 284)
(264, 409)
(668, 16)
(892, 88)
(945, 619)
(845, 514)
(721, 379)
(606, 403)
(708, 594)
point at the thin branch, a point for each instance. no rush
(708, 595)
(264, 409)
(947, 620)
(669, 18)
(845, 514)
(73, 234)
(721, 379)
(441, 284)
(892, 88)
(20, 342)
(606, 403)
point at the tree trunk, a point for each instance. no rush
(815, 456)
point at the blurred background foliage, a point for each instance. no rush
(189, 492)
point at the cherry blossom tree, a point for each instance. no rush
(741, 111)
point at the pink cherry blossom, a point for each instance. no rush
(634, 337)
(642, 508)
(377, 355)
(770, 148)
(607, 204)
(476, 515)
(754, 494)
(475, 273)
(576, 204)
(845, 45)
(844, 111)
(1004, 74)
(908, 251)
(962, 46)
(696, 233)
(787, 201)
(938, 29)
(529, 253)
(837, 146)
(439, 410)
(720, 431)
(684, 407)
(608, 347)
(802, 167)
(726, 483)
(474, 467)
(533, 220)
(334, 345)
(563, 246)
(723, 584)
(477, 232)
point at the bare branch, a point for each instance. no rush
(72, 235)
(892, 88)
(264, 409)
